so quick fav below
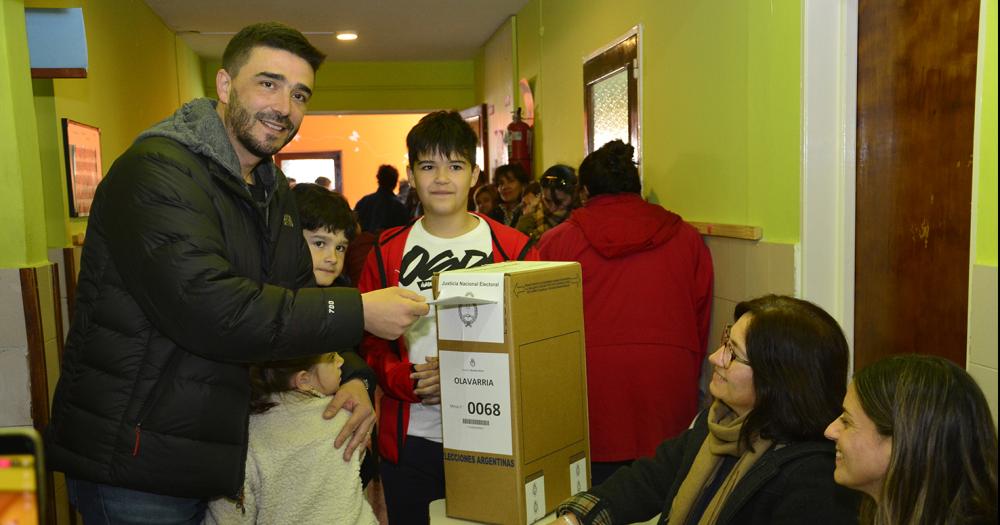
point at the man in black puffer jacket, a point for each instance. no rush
(195, 267)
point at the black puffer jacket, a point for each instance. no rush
(184, 281)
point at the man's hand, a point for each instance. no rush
(428, 377)
(390, 311)
(353, 397)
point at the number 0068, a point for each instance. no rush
(484, 409)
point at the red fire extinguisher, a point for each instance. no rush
(519, 142)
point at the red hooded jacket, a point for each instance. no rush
(389, 359)
(647, 299)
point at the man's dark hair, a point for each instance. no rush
(610, 169)
(799, 358)
(444, 132)
(387, 176)
(514, 171)
(320, 208)
(273, 35)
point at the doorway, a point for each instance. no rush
(915, 126)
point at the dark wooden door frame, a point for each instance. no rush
(622, 55)
(915, 133)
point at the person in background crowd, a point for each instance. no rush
(380, 210)
(324, 182)
(510, 181)
(291, 182)
(531, 197)
(487, 199)
(917, 437)
(357, 254)
(413, 207)
(559, 198)
(481, 180)
(404, 191)
(757, 456)
(647, 298)
(442, 149)
(195, 267)
(293, 473)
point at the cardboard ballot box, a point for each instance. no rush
(513, 389)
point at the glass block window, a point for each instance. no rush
(610, 99)
(611, 95)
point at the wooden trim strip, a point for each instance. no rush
(735, 231)
(37, 372)
(69, 260)
(58, 72)
(36, 348)
(57, 307)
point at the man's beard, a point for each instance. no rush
(241, 122)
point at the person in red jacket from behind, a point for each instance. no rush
(647, 298)
(442, 151)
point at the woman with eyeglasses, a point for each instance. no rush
(558, 199)
(757, 455)
(917, 437)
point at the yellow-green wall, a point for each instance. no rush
(721, 110)
(139, 72)
(384, 86)
(986, 205)
(22, 222)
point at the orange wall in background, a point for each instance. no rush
(365, 142)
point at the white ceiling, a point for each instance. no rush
(388, 30)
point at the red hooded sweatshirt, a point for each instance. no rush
(647, 298)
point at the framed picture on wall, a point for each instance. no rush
(82, 150)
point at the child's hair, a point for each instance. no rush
(443, 132)
(514, 171)
(487, 189)
(533, 188)
(275, 377)
(610, 170)
(320, 208)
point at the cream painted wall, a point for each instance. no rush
(982, 356)
(499, 81)
(985, 223)
(365, 143)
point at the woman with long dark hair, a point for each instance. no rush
(917, 437)
(757, 455)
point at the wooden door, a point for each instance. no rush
(916, 105)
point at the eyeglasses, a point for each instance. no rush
(553, 182)
(728, 349)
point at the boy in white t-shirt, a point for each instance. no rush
(442, 150)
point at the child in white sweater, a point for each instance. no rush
(294, 474)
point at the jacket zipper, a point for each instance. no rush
(154, 395)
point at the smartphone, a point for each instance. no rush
(21, 480)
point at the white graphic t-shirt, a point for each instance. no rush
(423, 256)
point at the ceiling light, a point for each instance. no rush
(347, 35)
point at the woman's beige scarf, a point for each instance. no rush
(723, 440)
